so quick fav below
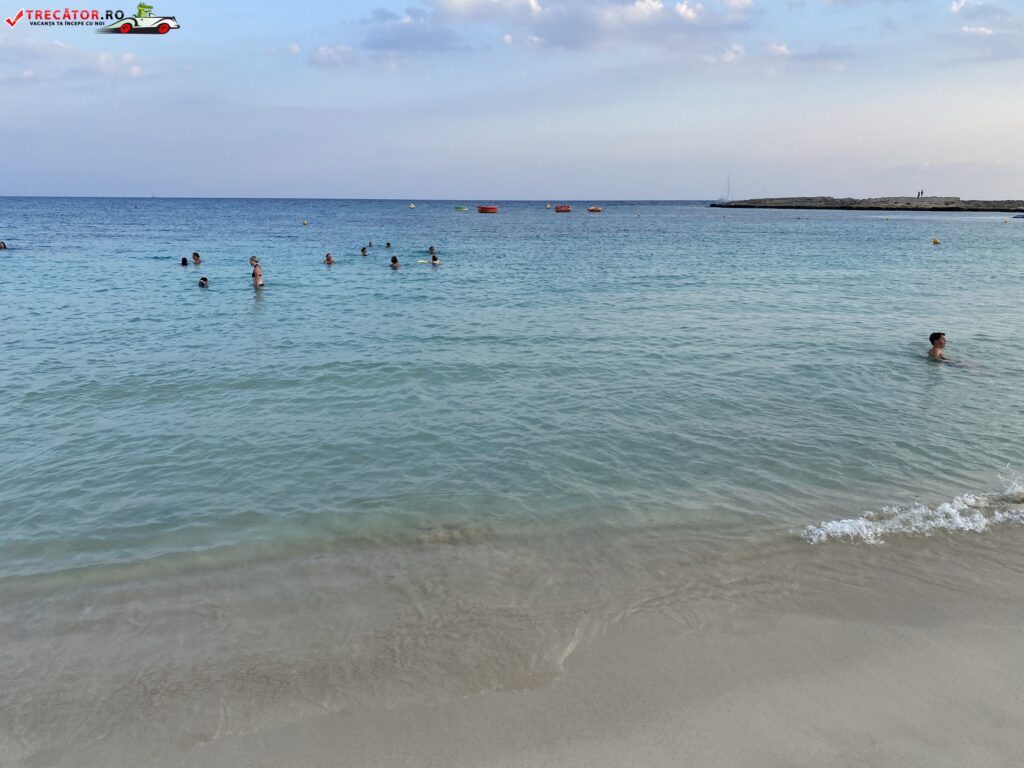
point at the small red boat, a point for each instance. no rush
(487, 209)
(594, 209)
(563, 209)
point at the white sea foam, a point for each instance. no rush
(968, 513)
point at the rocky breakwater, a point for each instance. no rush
(878, 204)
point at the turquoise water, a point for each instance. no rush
(738, 372)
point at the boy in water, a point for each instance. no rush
(938, 341)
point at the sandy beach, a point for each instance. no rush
(904, 653)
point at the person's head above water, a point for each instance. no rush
(253, 261)
(431, 249)
(937, 339)
(363, 250)
(394, 262)
(203, 282)
(2, 245)
(328, 259)
(387, 244)
(184, 261)
(434, 259)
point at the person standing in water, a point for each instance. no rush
(195, 258)
(434, 261)
(938, 341)
(362, 251)
(328, 259)
(257, 272)
(203, 282)
(394, 263)
(184, 261)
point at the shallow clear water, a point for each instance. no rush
(741, 371)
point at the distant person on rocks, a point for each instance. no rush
(203, 282)
(195, 258)
(184, 261)
(938, 341)
(328, 259)
(394, 263)
(257, 272)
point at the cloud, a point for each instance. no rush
(689, 12)
(28, 60)
(730, 55)
(419, 31)
(739, 5)
(977, 30)
(294, 49)
(779, 49)
(332, 56)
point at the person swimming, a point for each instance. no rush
(387, 244)
(184, 261)
(195, 258)
(3, 245)
(434, 261)
(938, 341)
(362, 251)
(328, 259)
(370, 244)
(431, 250)
(257, 272)
(203, 282)
(394, 263)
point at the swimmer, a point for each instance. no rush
(386, 245)
(938, 341)
(195, 258)
(328, 259)
(257, 272)
(362, 251)
(370, 244)
(184, 261)
(203, 282)
(431, 250)
(3, 245)
(434, 261)
(394, 263)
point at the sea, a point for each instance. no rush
(362, 486)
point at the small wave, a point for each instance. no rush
(968, 513)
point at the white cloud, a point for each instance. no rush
(977, 30)
(293, 49)
(331, 55)
(958, 5)
(507, 39)
(638, 12)
(689, 12)
(779, 49)
(488, 8)
(135, 71)
(739, 5)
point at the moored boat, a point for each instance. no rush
(548, 205)
(487, 209)
(563, 209)
(461, 208)
(594, 209)
(412, 205)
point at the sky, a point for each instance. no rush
(521, 99)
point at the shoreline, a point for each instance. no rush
(925, 204)
(913, 642)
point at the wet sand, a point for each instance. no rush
(904, 653)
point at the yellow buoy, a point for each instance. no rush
(935, 241)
